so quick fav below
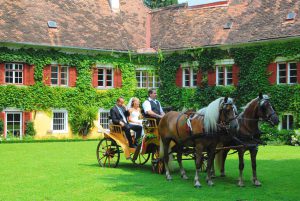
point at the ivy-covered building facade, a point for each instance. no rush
(63, 64)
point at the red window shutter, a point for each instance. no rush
(117, 78)
(72, 76)
(199, 78)
(298, 72)
(26, 117)
(2, 73)
(28, 74)
(2, 115)
(211, 76)
(95, 77)
(272, 68)
(47, 75)
(179, 77)
(235, 74)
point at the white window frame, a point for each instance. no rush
(14, 72)
(226, 71)
(59, 67)
(21, 121)
(287, 71)
(101, 110)
(192, 80)
(155, 84)
(287, 121)
(105, 77)
(65, 121)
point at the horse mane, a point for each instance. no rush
(211, 115)
(246, 107)
(202, 111)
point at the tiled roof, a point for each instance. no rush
(92, 24)
(81, 23)
(253, 20)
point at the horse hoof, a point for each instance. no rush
(169, 178)
(256, 183)
(184, 177)
(241, 184)
(222, 175)
(211, 183)
(197, 185)
(213, 176)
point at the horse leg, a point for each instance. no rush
(253, 153)
(241, 167)
(211, 156)
(166, 158)
(199, 151)
(179, 159)
(213, 172)
(224, 156)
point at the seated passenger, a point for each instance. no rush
(119, 116)
(135, 115)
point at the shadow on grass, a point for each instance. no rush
(139, 181)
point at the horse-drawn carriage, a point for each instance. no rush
(219, 124)
(115, 142)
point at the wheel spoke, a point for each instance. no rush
(105, 161)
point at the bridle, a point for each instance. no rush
(225, 124)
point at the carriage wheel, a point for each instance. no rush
(108, 154)
(157, 163)
(142, 159)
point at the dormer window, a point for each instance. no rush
(291, 16)
(114, 5)
(227, 25)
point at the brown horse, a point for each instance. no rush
(200, 132)
(248, 134)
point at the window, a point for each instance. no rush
(146, 79)
(104, 118)
(14, 73)
(287, 73)
(60, 120)
(287, 122)
(105, 77)
(189, 77)
(59, 75)
(14, 124)
(223, 75)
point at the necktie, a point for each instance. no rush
(122, 114)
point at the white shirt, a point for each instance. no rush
(147, 106)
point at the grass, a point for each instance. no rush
(69, 171)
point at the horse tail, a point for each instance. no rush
(161, 154)
(219, 159)
(161, 149)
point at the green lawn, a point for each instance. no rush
(69, 171)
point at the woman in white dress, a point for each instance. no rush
(135, 115)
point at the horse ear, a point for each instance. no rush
(226, 99)
(260, 95)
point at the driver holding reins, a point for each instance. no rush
(152, 107)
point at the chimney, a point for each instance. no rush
(114, 5)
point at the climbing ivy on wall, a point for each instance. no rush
(253, 78)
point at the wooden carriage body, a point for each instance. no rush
(115, 142)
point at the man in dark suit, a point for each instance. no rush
(119, 117)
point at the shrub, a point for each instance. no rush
(1, 126)
(273, 135)
(29, 131)
(84, 120)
